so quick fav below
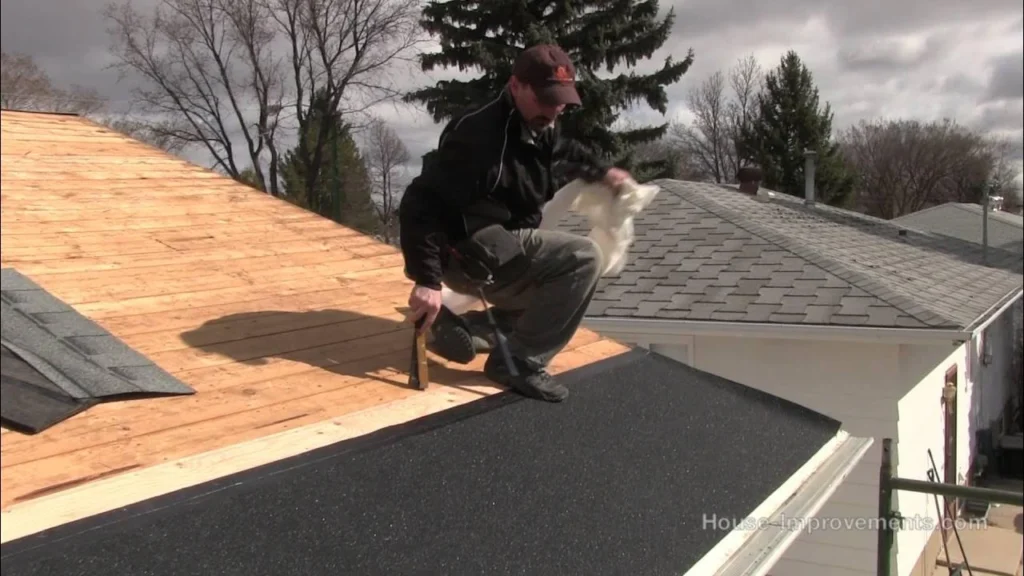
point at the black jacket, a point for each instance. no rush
(488, 169)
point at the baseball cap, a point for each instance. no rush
(550, 72)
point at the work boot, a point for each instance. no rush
(531, 382)
(450, 338)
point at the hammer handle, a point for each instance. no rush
(418, 374)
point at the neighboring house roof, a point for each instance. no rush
(964, 221)
(712, 253)
(290, 330)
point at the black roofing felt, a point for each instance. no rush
(79, 359)
(617, 480)
(29, 401)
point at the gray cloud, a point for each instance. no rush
(1006, 81)
(703, 18)
(889, 55)
(875, 16)
(999, 116)
(959, 83)
(869, 59)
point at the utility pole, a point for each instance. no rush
(984, 225)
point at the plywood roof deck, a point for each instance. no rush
(281, 320)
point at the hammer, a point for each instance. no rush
(418, 377)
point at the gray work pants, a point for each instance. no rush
(540, 303)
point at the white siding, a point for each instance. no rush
(875, 389)
(922, 428)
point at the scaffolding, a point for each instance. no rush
(890, 518)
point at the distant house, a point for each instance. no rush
(894, 331)
(964, 221)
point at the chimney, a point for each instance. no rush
(749, 179)
(809, 156)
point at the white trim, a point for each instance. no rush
(667, 331)
(996, 312)
(684, 341)
(760, 539)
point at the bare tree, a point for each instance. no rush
(660, 158)
(706, 140)
(904, 166)
(386, 156)
(153, 132)
(680, 164)
(25, 86)
(712, 139)
(746, 80)
(224, 71)
(986, 164)
(1013, 202)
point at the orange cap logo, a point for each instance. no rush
(562, 74)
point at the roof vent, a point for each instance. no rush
(809, 157)
(750, 179)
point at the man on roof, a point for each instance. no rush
(471, 218)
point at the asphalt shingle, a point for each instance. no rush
(709, 252)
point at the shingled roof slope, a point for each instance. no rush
(710, 252)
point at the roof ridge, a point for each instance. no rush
(811, 256)
(1007, 218)
(896, 220)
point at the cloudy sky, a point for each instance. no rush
(923, 59)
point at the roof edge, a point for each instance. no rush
(902, 218)
(995, 311)
(967, 207)
(760, 539)
(667, 331)
(41, 112)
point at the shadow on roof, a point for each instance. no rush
(343, 342)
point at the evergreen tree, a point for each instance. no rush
(488, 35)
(343, 183)
(789, 121)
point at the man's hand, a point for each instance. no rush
(615, 176)
(424, 302)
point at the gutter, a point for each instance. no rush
(994, 312)
(760, 539)
(666, 331)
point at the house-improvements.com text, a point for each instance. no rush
(826, 523)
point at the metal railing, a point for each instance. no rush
(889, 517)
